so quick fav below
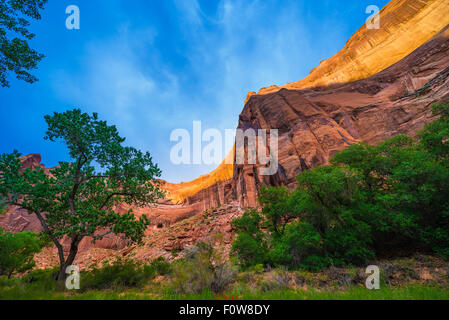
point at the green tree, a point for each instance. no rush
(15, 53)
(77, 199)
(17, 251)
(435, 135)
(277, 207)
(250, 244)
(407, 190)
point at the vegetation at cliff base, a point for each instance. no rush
(372, 201)
(159, 279)
(17, 251)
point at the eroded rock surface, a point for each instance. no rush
(315, 123)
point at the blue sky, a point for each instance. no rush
(150, 67)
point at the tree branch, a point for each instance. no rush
(109, 197)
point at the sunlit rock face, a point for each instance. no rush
(305, 109)
(404, 26)
(316, 123)
(180, 192)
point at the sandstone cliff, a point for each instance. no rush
(364, 92)
(315, 123)
(404, 26)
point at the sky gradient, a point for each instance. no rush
(150, 67)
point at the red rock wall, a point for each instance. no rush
(315, 123)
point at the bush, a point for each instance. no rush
(192, 276)
(278, 279)
(300, 247)
(17, 251)
(224, 274)
(159, 266)
(3, 207)
(250, 244)
(205, 268)
(123, 274)
(44, 279)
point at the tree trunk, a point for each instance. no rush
(62, 267)
(64, 263)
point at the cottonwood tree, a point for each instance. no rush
(15, 53)
(77, 199)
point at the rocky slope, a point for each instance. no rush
(166, 241)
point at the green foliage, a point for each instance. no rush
(277, 207)
(15, 53)
(204, 268)
(250, 245)
(123, 274)
(3, 207)
(371, 201)
(78, 197)
(160, 266)
(44, 279)
(435, 136)
(300, 247)
(17, 251)
(192, 275)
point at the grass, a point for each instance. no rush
(17, 290)
(158, 280)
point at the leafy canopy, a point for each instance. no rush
(17, 251)
(15, 53)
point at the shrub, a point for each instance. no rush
(123, 274)
(277, 279)
(3, 207)
(17, 251)
(224, 274)
(205, 268)
(300, 247)
(192, 276)
(43, 279)
(160, 266)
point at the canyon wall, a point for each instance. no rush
(405, 25)
(366, 92)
